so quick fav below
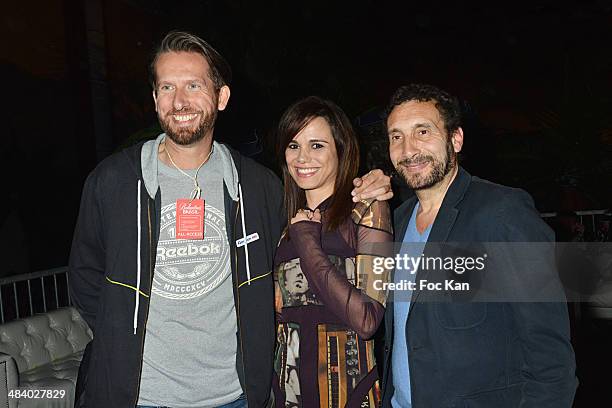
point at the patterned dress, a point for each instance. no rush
(327, 307)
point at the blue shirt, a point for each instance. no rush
(401, 305)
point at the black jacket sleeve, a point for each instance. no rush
(549, 371)
(87, 256)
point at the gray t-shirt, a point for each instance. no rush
(190, 344)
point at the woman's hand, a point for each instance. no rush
(307, 215)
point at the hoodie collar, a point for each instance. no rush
(150, 166)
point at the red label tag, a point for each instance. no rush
(189, 218)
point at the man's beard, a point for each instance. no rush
(439, 169)
(187, 136)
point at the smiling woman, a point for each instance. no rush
(312, 161)
(327, 306)
(316, 141)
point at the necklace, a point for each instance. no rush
(196, 193)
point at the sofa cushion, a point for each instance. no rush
(58, 375)
(41, 339)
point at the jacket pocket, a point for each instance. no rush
(460, 316)
(508, 397)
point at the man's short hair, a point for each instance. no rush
(181, 41)
(447, 105)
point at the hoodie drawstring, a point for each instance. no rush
(138, 266)
(244, 237)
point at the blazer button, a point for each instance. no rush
(387, 349)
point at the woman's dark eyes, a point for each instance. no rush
(313, 146)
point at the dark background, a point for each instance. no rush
(535, 78)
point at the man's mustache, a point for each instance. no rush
(415, 161)
(183, 112)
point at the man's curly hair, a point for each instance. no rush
(447, 105)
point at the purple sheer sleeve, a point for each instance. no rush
(349, 303)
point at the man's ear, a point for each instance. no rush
(457, 140)
(224, 95)
(155, 99)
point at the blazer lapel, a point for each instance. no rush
(401, 217)
(443, 224)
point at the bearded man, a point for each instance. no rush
(471, 354)
(173, 251)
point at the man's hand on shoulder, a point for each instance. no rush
(374, 184)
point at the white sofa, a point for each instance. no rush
(42, 353)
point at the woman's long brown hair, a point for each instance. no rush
(296, 118)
